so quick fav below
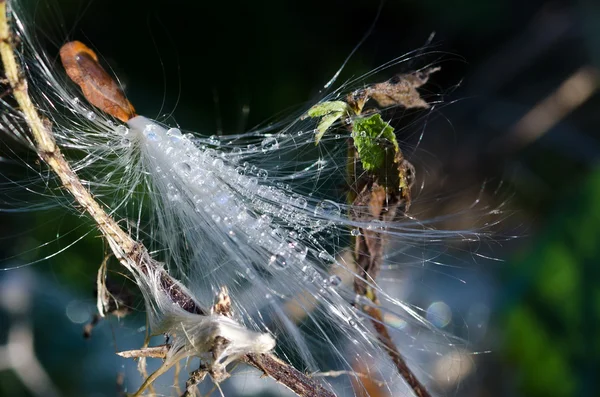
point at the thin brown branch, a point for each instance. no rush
(287, 375)
(130, 253)
(386, 340)
(378, 195)
(196, 377)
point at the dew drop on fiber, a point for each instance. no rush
(375, 224)
(326, 256)
(327, 209)
(174, 135)
(150, 133)
(122, 130)
(335, 280)
(218, 164)
(301, 202)
(269, 143)
(262, 174)
(299, 250)
(174, 132)
(278, 261)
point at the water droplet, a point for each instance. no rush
(335, 280)
(278, 261)
(122, 130)
(375, 224)
(299, 250)
(262, 174)
(328, 209)
(355, 232)
(269, 143)
(91, 116)
(174, 132)
(218, 164)
(301, 202)
(277, 233)
(150, 133)
(326, 256)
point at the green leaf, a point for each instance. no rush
(330, 112)
(326, 122)
(373, 138)
(324, 108)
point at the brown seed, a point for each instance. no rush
(82, 66)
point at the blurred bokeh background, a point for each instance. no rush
(519, 83)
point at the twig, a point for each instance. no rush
(377, 195)
(130, 253)
(386, 340)
(196, 377)
(286, 375)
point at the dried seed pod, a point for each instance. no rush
(82, 66)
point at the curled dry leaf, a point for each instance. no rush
(400, 90)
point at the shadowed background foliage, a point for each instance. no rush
(203, 63)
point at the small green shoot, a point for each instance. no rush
(330, 112)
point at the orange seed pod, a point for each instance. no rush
(82, 66)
